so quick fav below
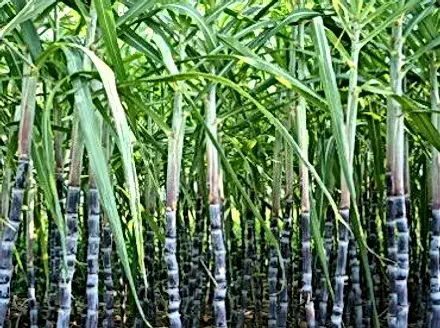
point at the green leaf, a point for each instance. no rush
(279, 73)
(328, 79)
(136, 41)
(31, 10)
(414, 21)
(294, 17)
(420, 121)
(135, 10)
(433, 44)
(30, 35)
(338, 45)
(165, 51)
(151, 113)
(200, 21)
(108, 28)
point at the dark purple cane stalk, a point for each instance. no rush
(273, 256)
(355, 294)
(392, 256)
(175, 146)
(247, 265)
(11, 229)
(286, 233)
(323, 299)
(234, 274)
(398, 234)
(356, 291)
(72, 203)
(185, 257)
(107, 248)
(434, 252)
(206, 262)
(150, 297)
(55, 255)
(258, 286)
(32, 300)
(5, 192)
(93, 224)
(7, 175)
(305, 231)
(341, 263)
(109, 291)
(215, 214)
(372, 241)
(285, 252)
(196, 267)
(122, 293)
(285, 236)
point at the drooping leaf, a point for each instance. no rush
(31, 10)
(107, 24)
(283, 76)
(89, 126)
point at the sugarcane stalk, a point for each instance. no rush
(303, 142)
(285, 236)
(72, 204)
(5, 192)
(344, 207)
(195, 285)
(207, 265)
(6, 183)
(398, 241)
(434, 253)
(328, 246)
(93, 224)
(234, 273)
(7, 173)
(355, 292)
(107, 248)
(30, 237)
(122, 293)
(175, 145)
(285, 252)
(54, 235)
(185, 255)
(215, 213)
(296, 249)
(247, 264)
(273, 256)
(109, 292)
(252, 254)
(150, 297)
(258, 284)
(10, 231)
(370, 212)
(355, 295)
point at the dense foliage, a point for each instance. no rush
(220, 163)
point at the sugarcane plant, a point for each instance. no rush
(10, 231)
(215, 212)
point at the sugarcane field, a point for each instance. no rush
(219, 163)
